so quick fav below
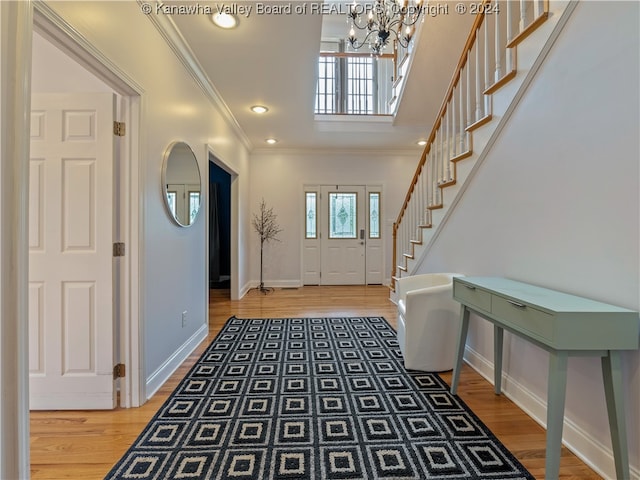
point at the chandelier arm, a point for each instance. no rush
(363, 42)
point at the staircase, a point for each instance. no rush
(507, 43)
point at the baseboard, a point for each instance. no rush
(272, 284)
(162, 374)
(71, 401)
(590, 450)
(244, 290)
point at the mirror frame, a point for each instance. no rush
(165, 161)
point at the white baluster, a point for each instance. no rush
(412, 218)
(441, 176)
(537, 8)
(498, 46)
(478, 95)
(487, 62)
(468, 66)
(461, 102)
(509, 53)
(524, 21)
(423, 194)
(413, 213)
(454, 125)
(448, 147)
(447, 152)
(434, 172)
(419, 196)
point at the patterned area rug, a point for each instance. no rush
(313, 398)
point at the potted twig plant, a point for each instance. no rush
(266, 224)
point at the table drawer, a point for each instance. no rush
(472, 296)
(525, 317)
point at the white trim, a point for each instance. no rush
(246, 287)
(171, 364)
(15, 102)
(413, 152)
(131, 217)
(56, 30)
(275, 284)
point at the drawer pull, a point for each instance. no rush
(516, 304)
(470, 287)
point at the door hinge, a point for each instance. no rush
(119, 129)
(119, 371)
(118, 249)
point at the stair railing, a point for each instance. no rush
(487, 62)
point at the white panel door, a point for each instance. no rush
(70, 243)
(342, 224)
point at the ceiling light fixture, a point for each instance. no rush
(224, 20)
(381, 20)
(421, 142)
(271, 141)
(259, 109)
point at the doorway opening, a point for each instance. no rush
(219, 227)
(87, 70)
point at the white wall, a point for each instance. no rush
(279, 178)
(556, 204)
(173, 260)
(54, 72)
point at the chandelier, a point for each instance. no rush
(382, 21)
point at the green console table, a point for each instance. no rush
(564, 325)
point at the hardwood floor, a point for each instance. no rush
(86, 444)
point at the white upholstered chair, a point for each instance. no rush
(428, 321)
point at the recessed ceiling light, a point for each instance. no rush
(224, 20)
(259, 109)
(271, 141)
(421, 142)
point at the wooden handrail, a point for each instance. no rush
(443, 108)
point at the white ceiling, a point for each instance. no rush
(271, 59)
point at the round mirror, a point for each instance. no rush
(181, 183)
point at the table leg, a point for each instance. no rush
(555, 411)
(462, 340)
(612, 376)
(498, 334)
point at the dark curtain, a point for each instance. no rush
(214, 234)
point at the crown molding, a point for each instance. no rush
(176, 41)
(370, 152)
(53, 27)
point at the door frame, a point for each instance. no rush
(369, 187)
(56, 30)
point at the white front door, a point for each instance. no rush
(342, 233)
(71, 208)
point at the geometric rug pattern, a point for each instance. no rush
(313, 398)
